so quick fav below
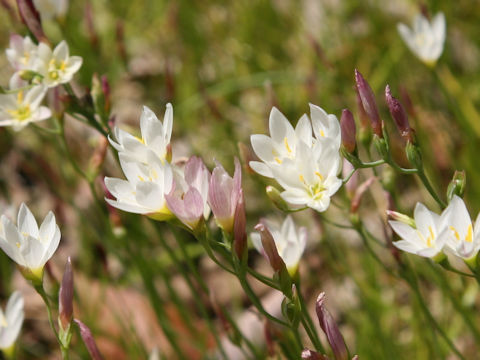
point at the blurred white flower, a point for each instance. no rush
(463, 238)
(28, 245)
(23, 107)
(427, 238)
(22, 52)
(155, 136)
(57, 66)
(289, 240)
(11, 322)
(325, 126)
(144, 190)
(50, 9)
(426, 40)
(188, 199)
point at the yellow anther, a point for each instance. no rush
(278, 160)
(18, 244)
(285, 141)
(319, 175)
(20, 97)
(430, 237)
(63, 66)
(141, 178)
(322, 133)
(455, 232)
(469, 237)
(302, 179)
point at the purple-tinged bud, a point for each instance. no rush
(187, 201)
(89, 341)
(89, 23)
(65, 297)
(239, 227)
(347, 126)
(359, 192)
(368, 102)
(106, 93)
(308, 354)
(399, 115)
(457, 185)
(224, 194)
(352, 183)
(31, 18)
(270, 249)
(330, 328)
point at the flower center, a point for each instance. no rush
(314, 190)
(55, 67)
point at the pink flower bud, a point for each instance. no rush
(188, 201)
(269, 247)
(31, 18)
(89, 341)
(347, 126)
(359, 192)
(369, 104)
(330, 328)
(106, 92)
(65, 297)
(399, 115)
(223, 195)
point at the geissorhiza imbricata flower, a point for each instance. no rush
(27, 244)
(22, 52)
(424, 236)
(310, 179)
(425, 39)
(23, 107)
(155, 136)
(57, 66)
(289, 241)
(143, 192)
(188, 198)
(282, 142)
(462, 237)
(11, 322)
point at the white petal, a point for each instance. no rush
(26, 222)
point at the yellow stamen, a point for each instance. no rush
(430, 237)
(322, 133)
(19, 97)
(319, 175)
(469, 237)
(278, 160)
(18, 244)
(302, 179)
(455, 232)
(285, 141)
(141, 178)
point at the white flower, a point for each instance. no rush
(21, 108)
(427, 238)
(311, 178)
(155, 136)
(284, 139)
(22, 52)
(289, 241)
(49, 9)
(56, 67)
(29, 246)
(11, 322)
(426, 39)
(144, 190)
(462, 238)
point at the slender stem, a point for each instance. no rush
(428, 186)
(308, 324)
(372, 163)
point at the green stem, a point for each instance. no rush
(308, 324)
(428, 186)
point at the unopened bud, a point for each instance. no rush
(369, 104)
(330, 328)
(347, 126)
(106, 93)
(239, 228)
(401, 217)
(382, 147)
(274, 194)
(31, 18)
(89, 341)
(308, 354)
(399, 115)
(268, 243)
(414, 155)
(457, 185)
(65, 297)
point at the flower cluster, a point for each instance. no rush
(429, 234)
(304, 160)
(37, 68)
